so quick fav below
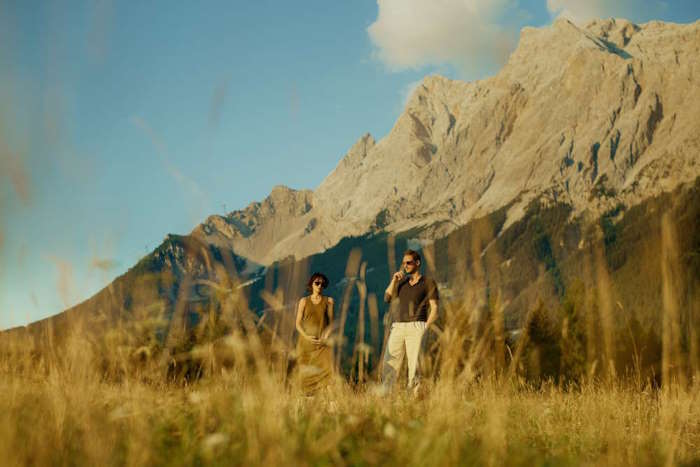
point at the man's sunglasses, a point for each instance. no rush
(408, 263)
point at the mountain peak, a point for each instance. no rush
(563, 23)
(362, 145)
(591, 114)
(618, 32)
(282, 189)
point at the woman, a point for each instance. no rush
(314, 319)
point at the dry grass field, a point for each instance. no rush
(71, 417)
(125, 398)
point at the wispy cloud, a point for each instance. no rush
(472, 35)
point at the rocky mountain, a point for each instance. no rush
(592, 116)
(575, 162)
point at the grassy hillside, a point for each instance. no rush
(559, 342)
(578, 285)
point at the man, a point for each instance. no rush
(417, 309)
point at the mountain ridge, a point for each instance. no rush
(617, 129)
(472, 149)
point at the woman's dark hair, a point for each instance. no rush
(314, 276)
(413, 254)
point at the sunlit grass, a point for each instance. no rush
(59, 421)
(569, 390)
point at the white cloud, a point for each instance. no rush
(471, 35)
(581, 12)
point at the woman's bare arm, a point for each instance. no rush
(329, 309)
(331, 302)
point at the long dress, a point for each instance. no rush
(315, 361)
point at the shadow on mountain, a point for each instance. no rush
(551, 295)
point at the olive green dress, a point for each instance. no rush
(315, 361)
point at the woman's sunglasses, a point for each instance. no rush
(319, 283)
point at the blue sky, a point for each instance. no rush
(121, 123)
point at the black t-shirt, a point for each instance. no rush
(413, 299)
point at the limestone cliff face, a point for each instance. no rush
(256, 230)
(594, 116)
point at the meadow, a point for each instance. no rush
(71, 417)
(575, 385)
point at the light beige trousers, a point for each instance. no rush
(404, 339)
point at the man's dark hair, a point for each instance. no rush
(413, 254)
(314, 276)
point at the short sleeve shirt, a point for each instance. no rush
(413, 299)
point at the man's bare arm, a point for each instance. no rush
(390, 291)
